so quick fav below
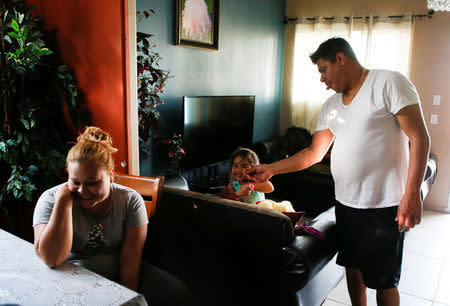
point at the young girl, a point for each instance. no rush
(239, 188)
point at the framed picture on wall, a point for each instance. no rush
(197, 23)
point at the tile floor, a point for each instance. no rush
(425, 279)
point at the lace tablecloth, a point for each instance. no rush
(26, 280)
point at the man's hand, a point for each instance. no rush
(258, 174)
(409, 212)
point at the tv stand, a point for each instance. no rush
(209, 179)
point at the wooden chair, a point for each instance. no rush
(148, 187)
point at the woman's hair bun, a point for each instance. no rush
(94, 145)
(95, 134)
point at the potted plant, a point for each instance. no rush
(174, 154)
(151, 83)
(39, 101)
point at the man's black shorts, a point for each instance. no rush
(368, 239)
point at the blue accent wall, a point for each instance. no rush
(249, 62)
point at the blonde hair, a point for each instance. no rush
(94, 145)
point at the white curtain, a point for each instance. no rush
(379, 43)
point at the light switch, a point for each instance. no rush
(433, 119)
(436, 100)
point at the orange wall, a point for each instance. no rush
(91, 37)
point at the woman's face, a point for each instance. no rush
(238, 168)
(89, 183)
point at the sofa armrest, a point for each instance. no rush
(306, 255)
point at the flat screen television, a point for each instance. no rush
(214, 126)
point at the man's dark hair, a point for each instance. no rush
(329, 48)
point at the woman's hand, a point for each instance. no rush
(64, 196)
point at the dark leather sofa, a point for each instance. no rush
(230, 253)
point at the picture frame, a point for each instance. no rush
(197, 23)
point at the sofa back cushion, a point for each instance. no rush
(218, 246)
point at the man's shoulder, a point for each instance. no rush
(383, 75)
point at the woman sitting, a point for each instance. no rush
(89, 220)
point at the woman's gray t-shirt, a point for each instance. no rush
(97, 240)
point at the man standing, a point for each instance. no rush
(377, 174)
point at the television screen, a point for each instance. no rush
(214, 126)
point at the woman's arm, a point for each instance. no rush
(130, 256)
(53, 240)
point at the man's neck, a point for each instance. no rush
(358, 76)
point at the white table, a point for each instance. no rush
(26, 280)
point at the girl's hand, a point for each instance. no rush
(244, 191)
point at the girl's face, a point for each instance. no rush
(238, 168)
(89, 183)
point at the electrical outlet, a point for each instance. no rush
(433, 119)
(436, 100)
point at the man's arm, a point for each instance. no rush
(130, 257)
(412, 123)
(307, 157)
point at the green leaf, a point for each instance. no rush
(46, 51)
(11, 55)
(25, 123)
(5, 16)
(15, 25)
(21, 17)
(19, 51)
(2, 146)
(7, 39)
(25, 33)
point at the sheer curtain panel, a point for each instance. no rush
(379, 42)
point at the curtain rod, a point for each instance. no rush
(287, 20)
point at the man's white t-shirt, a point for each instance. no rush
(369, 158)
